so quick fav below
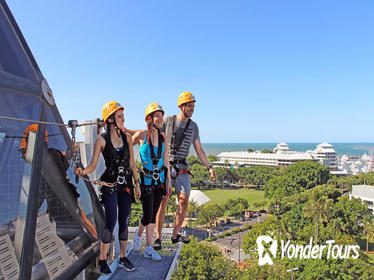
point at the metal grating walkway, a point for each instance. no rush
(145, 268)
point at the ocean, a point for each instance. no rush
(341, 148)
(354, 149)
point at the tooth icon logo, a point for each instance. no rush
(264, 257)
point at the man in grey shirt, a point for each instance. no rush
(181, 132)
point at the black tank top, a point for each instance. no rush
(114, 159)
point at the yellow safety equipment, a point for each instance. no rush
(185, 97)
(110, 108)
(31, 128)
(153, 107)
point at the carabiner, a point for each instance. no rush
(121, 171)
(155, 175)
(121, 180)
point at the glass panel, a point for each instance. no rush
(65, 222)
(15, 172)
(12, 57)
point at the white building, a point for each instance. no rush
(281, 156)
(355, 164)
(326, 155)
(365, 193)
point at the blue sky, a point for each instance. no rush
(262, 71)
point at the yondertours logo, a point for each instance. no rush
(268, 247)
(264, 256)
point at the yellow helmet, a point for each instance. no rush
(185, 97)
(110, 108)
(153, 107)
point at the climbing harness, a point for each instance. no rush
(155, 173)
(174, 147)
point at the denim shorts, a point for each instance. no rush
(182, 183)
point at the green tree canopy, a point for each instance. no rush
(212, 158)
(191, 160)
(192, 208)
(318, 207)
(172, 205)
(271, 227)
(308, 174)
(199, 260)
(200, 175)
(281, 186)
(209, 212)
(296, 178)
(226, 174)
(350, 214)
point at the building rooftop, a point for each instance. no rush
(145, 268)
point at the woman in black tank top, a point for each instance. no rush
(117, 192)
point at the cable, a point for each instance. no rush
(46, 123)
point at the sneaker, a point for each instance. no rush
(104, 267)
(157, 244)
(126, 264)
(149, 253)
(137, 241)
(180, 238)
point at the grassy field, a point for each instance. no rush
(220, 196)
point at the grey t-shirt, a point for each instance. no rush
(192, 134)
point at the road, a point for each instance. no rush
(234, 242)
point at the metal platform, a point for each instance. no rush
(145, 268)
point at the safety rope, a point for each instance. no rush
(48, 123)
(76, 158)
(24, 137)
(100, 183)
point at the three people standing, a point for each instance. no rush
(163, 148)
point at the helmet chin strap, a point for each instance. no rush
(155, 126)
(183, 111)
(152, 122)
(118, 130)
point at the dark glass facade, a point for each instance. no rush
(48, 221)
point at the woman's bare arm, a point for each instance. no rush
(133, 166)
(98, 148)
(166, 163)
(138, 137)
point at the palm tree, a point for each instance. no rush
(172, 205)
(318, 208)
(369, 230)
(192, 208)
(285, 229)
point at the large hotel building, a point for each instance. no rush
(281, 156)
